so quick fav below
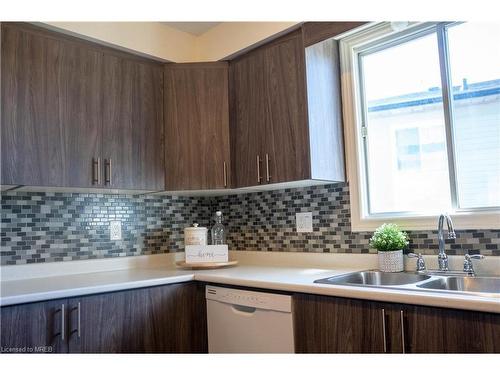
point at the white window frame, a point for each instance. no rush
(351, 45)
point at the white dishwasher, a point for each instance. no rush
(243, 321)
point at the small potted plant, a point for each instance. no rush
(389, 240)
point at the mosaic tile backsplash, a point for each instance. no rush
(48, 227)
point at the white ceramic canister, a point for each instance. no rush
(195, 235)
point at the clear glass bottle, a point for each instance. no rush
(218, 232)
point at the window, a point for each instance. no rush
(424, 118)
(474, 63)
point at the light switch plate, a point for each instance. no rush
(303, 221)
(115, 230)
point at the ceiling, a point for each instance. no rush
(194, 28)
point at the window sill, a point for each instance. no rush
(461, 221)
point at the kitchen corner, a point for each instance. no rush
(250, 187)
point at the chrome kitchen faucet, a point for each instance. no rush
(442, 257)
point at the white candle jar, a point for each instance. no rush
(195, 235)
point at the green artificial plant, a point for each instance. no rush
(389, 237)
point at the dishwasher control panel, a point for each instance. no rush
(264, 301)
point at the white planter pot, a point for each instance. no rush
(390, 261)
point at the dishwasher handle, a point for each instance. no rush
(246, 310)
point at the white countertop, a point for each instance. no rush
(45, 288)
(302, 280)
(90, 277)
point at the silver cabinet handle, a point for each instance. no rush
(259, 177)
(63, 322)
(99, 171)
(96, 171)
(225, 174)
(79, 320)
(401, 314)
(79, 326)
(62, 331)
(107, 171)
(94, 178)
(268, 175)
(384, 330)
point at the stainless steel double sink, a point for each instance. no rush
(463, 284)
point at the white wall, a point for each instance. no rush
(230, 37)
(164, 42)
(149, 38)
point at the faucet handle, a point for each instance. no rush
(420, 261)
(474, 256)
(468, 266)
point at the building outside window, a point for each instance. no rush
(422, 118)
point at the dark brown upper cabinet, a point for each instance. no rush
(132, 131)
(287, 151)
(51, 113)
(197, 126)
(75, 114)
(285, 113)
(248, 118)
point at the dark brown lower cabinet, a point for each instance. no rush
(109, 323)
(342, 325)
(180, 318)
(337, 325)
(163, 319)
(172, 319)
(434, 330)
(34, 328)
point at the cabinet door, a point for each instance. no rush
(132, 124)
(163, 319)
(196, 126)
(338, 325)
(287, 130)
(50, 109)
(178, 318)
(248, 116)
(435, 330)
(109, 323)
(34, 328)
